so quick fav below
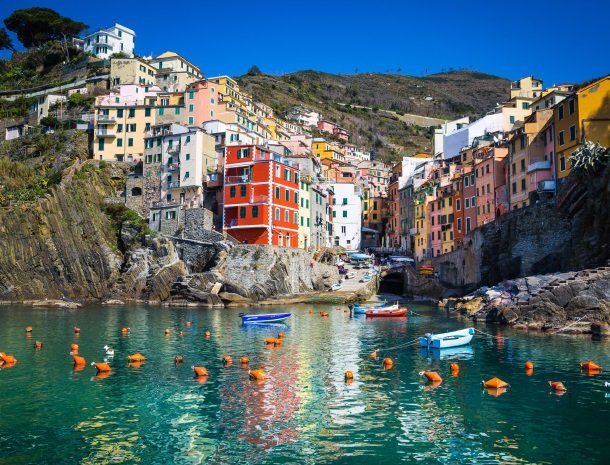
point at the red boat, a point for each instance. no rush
(386, 312)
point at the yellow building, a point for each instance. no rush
(446, 215)
(323, 149)
(421, 224)
(131, 71)
(174, 72)
(584, 115)
(528, 86)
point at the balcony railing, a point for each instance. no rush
(105, 133)
(174, 149)
(173, 166)
(259, 199)
(173, 184)
(106, 119)
(539, 165)
(243, 179)
(249, 222)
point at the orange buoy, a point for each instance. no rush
(74, 348)
(590, 366)
(178, 359)
(529, 365)
(200, 371)
(277, 342)
(388, 363)
(124, 331)
(496, 392)
(137, 357)
(244, 360)
(79, 362)
(207, 334)
(349, 375)
(374, 354)
(557, 386)
(495, 383)
(529, 371)
(257, 374)
(227, 359)
(37, 345)
(8, 359)
(280, 335)
(188, 324)
(270, 340)
(431, 376)
(28, 329)
(167, 332)
(103, 367)
(76, 330)
(455, 368)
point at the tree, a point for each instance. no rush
(5, 41)
(36, 26)
(254, 71)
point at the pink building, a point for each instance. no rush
(298, 144)
(326, 126)
(469, 199)
(201, 103)
(341, 133)
(541, 155)
(490, 179)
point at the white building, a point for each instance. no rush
(174, 72)
(347, 216)
(43, 103)
(446, 128)
(115, 39)
(303, 116)
(457, 140)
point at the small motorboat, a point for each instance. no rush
(386, 312)
(350, 275)
(336, 287)
(264, 317)
(365, 279)
(444, 340)
(362, 309)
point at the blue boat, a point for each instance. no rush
(264, 317)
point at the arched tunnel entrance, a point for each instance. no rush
(391, 283)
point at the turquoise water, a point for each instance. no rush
(305, 413)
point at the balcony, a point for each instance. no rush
(259, 199)
(104, 133)
(413, 231)
(173, 166)
(539, 165)
(546, 186)
(243, 179)
(173, 184)
(246, 223)
(105, 119)
(174, 150)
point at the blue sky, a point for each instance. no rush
(558, 41)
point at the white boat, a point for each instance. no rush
(362, 309)
(336, 287)
(444, 340)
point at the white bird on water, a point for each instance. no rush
(607, 384)
(109, 351)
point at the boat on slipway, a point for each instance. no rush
(445, 340)
(264, 318)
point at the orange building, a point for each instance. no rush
(261, 197)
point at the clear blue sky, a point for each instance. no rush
(556, 40)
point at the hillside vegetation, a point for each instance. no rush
(371, 106)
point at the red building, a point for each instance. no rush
(261, 197)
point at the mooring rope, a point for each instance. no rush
(567, 326)
(405, 344)
(490, 335)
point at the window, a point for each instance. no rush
(458, 205)
(344, 213)
(573, 132)
(560, 112)
(187, 157)
(286, 216)
(287, 195)
(242, 190)
(523, 185)
(466, 179)
(466, 202)
(232, 191)
(561, 138)
(146, 111)
(525, 105)
(562, 162)
(191, 95)
(100, 144)
(468, 224)
(487, 169)
(472, 179)
(572, 106)
(277, 214)
(522, 165)
(302, 221)
(473, 201)
(191, 107)
(242, 212)
(119, 113)
(130, 142)
(191, 120)
(296, 218)
(514, 187)
(334, 214)
(344, 200)
(161, 111)
(132, 113)
(277, 171)
(243, 153)
(511, 119)
(514, 169)
(459, 224)
(277, 192)
(296, 197)
(170, 215)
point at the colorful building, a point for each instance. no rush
(261, 197)
(490, 184)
